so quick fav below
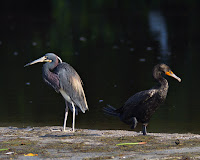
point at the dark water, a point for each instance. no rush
(113, 46)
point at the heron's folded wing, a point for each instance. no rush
(71, 83)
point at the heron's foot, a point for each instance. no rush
(68, 130)
(72, 130)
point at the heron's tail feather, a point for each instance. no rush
(111, 111)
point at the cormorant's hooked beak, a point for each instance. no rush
(170, 73)
(42, 59)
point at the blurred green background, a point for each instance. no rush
(113, 45)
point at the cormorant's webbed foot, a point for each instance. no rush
(144, 129)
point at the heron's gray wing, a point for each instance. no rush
(71, 83)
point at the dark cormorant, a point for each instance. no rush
(141, 106)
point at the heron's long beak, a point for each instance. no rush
(42, 59)
(170, 73)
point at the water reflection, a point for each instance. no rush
(158, 28)
(113, 46)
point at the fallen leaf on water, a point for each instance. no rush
(30, 154)
(120, 144)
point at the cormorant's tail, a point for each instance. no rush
(111, 111)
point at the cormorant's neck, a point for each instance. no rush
(163, 84)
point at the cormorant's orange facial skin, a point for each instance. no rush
(169, 73)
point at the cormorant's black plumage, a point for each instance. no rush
(141, 106)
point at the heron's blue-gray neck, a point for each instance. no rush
(51, 65)
(49, 77)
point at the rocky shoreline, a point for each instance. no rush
(53, 143)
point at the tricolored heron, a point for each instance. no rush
(141, 106)
(65, 80)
